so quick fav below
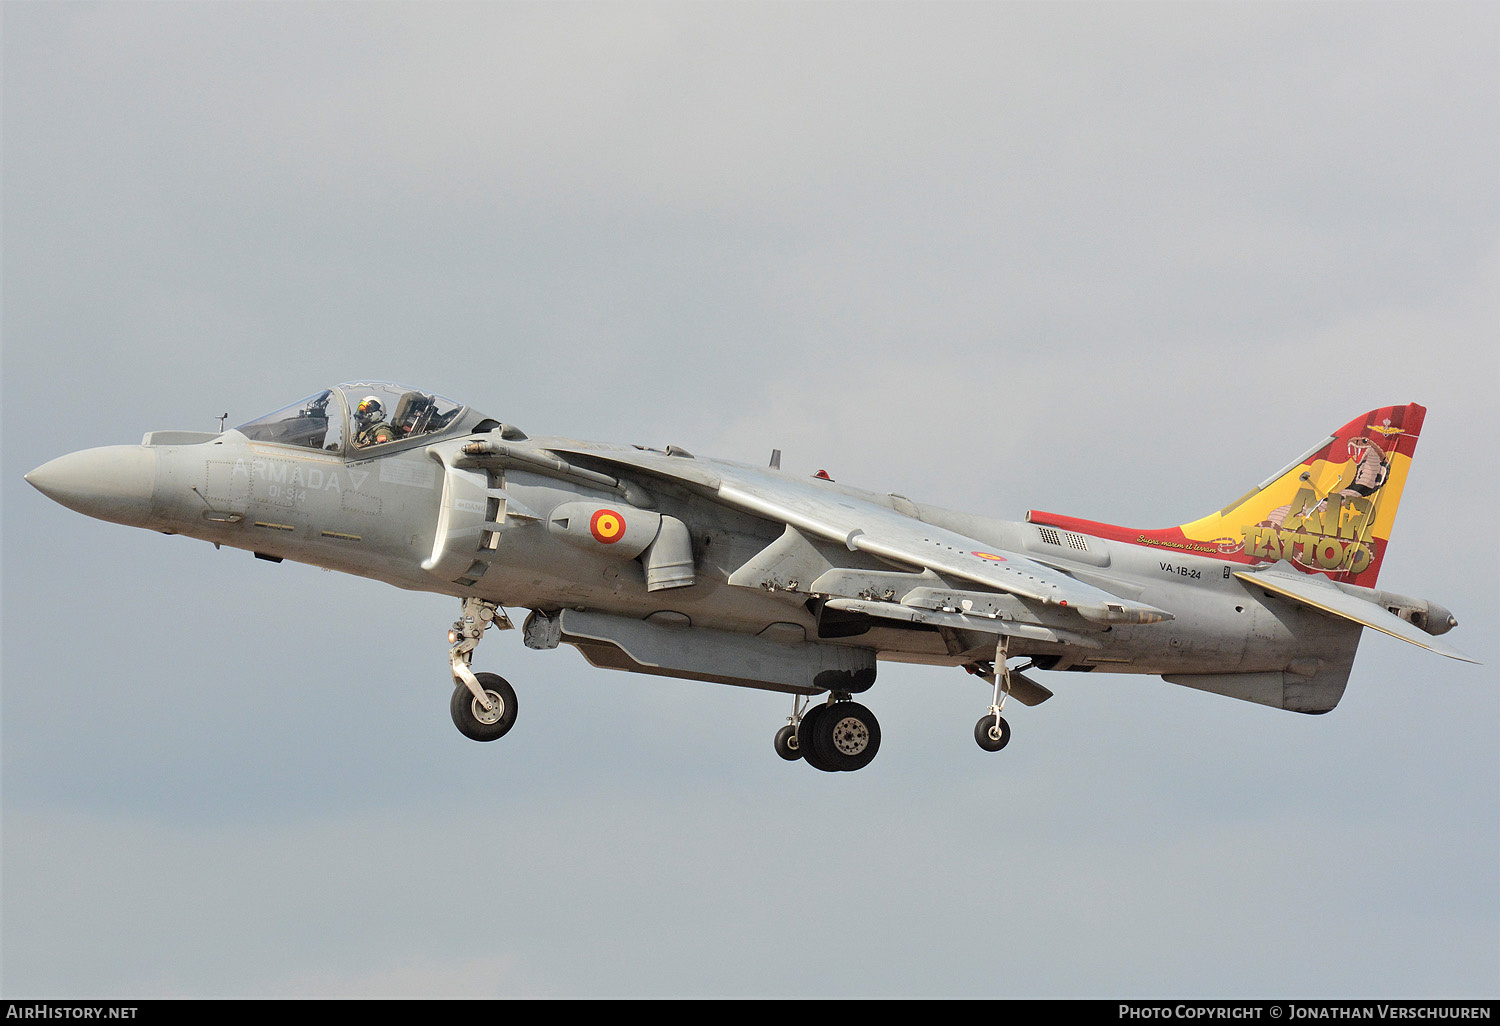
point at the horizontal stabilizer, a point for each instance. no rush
(1326, 598)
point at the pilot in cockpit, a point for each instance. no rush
(370, 427)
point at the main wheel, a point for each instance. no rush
(476, 722)
(786, 743)
(846, 737)
(807, 733)
(992, 732)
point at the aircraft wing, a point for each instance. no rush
(1324, 596)
(818, 508)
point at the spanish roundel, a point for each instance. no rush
(607, 526)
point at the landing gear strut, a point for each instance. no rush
(484, 704)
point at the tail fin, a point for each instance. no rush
(1329, 512)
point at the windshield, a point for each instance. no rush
(317, 422)
(358, 415)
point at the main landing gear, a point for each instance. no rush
(483, 704)
(835, 736)
(839, 735)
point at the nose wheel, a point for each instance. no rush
(484, 720)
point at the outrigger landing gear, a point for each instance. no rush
(484, 704)
(992, 733)
(836, 736)
(786, 738)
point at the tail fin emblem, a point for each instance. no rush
(1329, 512)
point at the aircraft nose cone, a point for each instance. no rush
(115, 482)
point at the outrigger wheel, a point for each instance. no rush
(992, 732)
(786, 743)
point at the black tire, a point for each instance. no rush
(786, 743)
(988, 735)
(471, 718)
(808, 732)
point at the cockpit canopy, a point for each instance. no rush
(361, 415)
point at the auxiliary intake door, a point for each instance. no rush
(468, 522)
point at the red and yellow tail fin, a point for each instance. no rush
(1329, 512)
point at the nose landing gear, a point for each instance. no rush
(483, 704)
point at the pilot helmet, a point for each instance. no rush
(369, 409)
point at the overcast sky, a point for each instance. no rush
(1120, 261)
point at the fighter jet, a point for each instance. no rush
(658, 561)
